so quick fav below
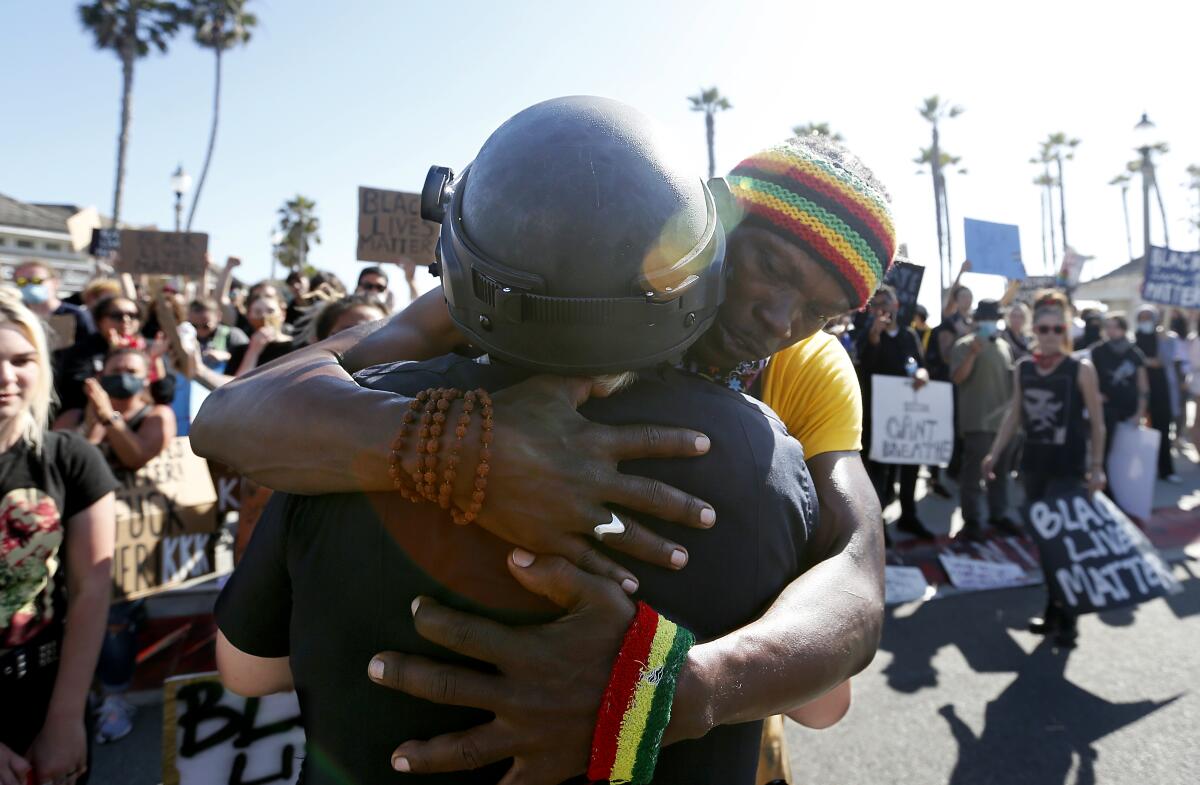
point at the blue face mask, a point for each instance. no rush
(35, 293)
(986, 329)
(122, 385)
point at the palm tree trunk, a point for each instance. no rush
(212, 141)
(710, 132)
(936, 169)
(127, 55)
(1050, 206)
(1042, 199)
(1062, 204)
(946, 218)
(1125, 209)
(1162, 210)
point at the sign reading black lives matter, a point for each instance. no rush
(1172, 278)
(906, 278)
(390, 228)
(1094, 558)
(911, 426)
(162, 253)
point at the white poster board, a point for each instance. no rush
(1133, 468)
(971, 574)
(904, 584)
(911, 426)
(213, 737)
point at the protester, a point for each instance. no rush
(601, 269)
(1052, 394)
(268, 341)
(98, 290)
(981, 368)
(57, 545)
(118, 325)
(1093, 329)
(373, 285)
(39, 292)
(784, 292)
(1181, 336)
(1016, 330)
(1124, 384)
(215, 340)
(920, 325)
(1157, 348)
(888, 349)
(331, 318)
(297, 284)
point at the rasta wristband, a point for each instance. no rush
(636, 706)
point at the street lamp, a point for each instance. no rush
(181, 183)
(1144, 133)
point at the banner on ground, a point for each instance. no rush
(212, 736)
(162, 253)
(904, 584)
(994, 249)
(390, 228)
(1133, 468)
(166, 529)
(1172, 278)
(1093, 557)
(911, 426)
(906, 278)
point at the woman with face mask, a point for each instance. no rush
(268, 341)
(1052, 391)
(56, 550)
(1158, 349)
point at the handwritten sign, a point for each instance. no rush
(105, 243)
(911, 426)
(212, 736)
(906, 278)
(903, 584)
(1172, 278)
(994, 249)
(162, 253)
(390, 228)
(1094, 558)
(972, 574)
(166, 530)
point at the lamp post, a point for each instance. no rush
(181, 183)
(1144, 130)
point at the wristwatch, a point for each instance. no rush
(113, 420)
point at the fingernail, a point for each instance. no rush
(708, 516)
(416, 603)
(375, 669)
(629, 585)
(702, 444)
(400, 763)
(522, 558)
(678, 558)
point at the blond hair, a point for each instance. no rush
(37, 413)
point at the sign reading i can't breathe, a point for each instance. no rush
(1172, 278)
(1094, 558)
(390, 228)
(911, 426)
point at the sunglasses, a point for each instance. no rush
(120, 316)
(27, 281)
(1043, 329)
(373, 287)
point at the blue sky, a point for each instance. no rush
(330, 96)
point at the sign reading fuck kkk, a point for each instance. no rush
(1093, 556)
(910, 425)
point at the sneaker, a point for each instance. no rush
(1174, 479)
(114, 719)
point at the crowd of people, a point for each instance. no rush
(749, 347)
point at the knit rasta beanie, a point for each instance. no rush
(815, 195)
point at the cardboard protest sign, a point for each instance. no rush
(994, 249)
(911, 426)
(162, 253)
(212, 736)
(62, 331)
(390, 228)
(904, 584)
(1133, 468)
(105, 243)
(972, 574)
(166, 531)
(906, 278)
(1093, 557)
(1172, 278)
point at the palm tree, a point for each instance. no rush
(129, 28)
(1161, 148)
(299, 225)
(946, 162)
(1058, 148)
(218, 25)
(710, 101)
(1123, 181)
(1045, 182)
(934, 110)
(817, 129)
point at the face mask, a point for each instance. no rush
(35, 293)
(122, 385)
(1145, 328)
(986, 329)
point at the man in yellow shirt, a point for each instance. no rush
(813, 238)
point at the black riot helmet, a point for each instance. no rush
(573, 244)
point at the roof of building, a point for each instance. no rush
(49, 218)
(1134, 267)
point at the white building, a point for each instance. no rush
(54, 234)
(1120, 289)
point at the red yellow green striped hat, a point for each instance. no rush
(814, 194)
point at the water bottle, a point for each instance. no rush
(910, 367)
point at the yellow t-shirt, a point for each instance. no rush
(813, 388)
